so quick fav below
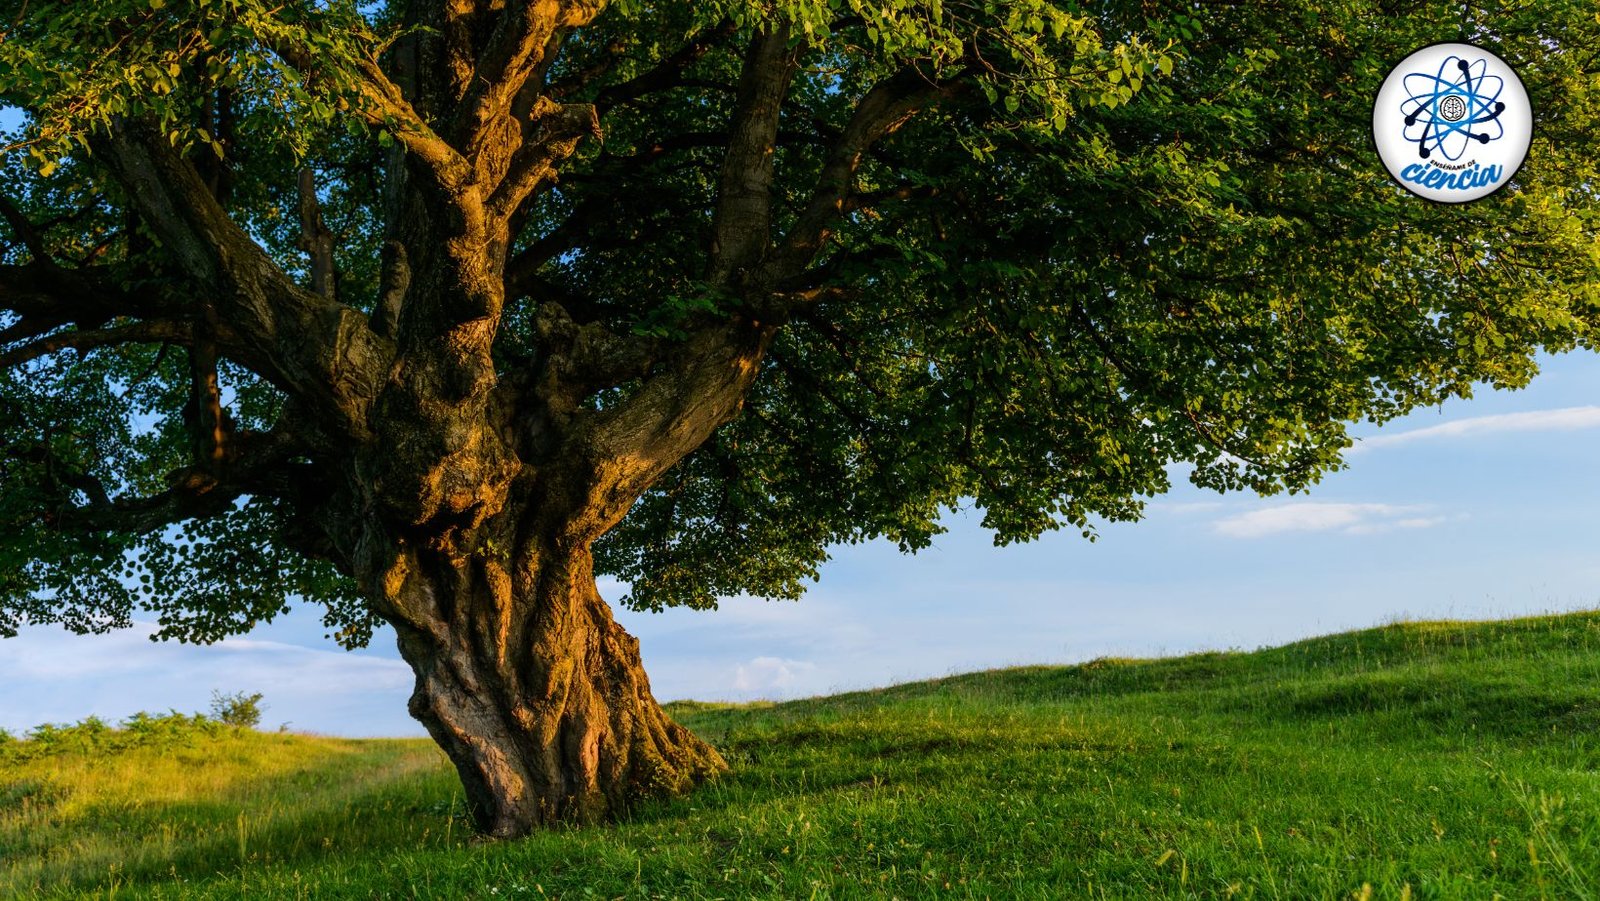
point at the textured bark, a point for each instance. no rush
(477, 550)
(533, 690)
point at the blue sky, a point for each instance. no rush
(1484, 508)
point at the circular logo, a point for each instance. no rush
(1452, 123)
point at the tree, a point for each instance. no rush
(429, 311)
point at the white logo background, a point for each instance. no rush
(1452, 123)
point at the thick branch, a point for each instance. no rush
(50, 297)
(699, 389)
(58, 474)
(599, 207)
(394, 282)
(581, 358)
(703, 385)
(382, 104)
(513, 54)
(314, 349)
(741, 228)
(25, 231)
(555, 132)
(583, 308)
(867, 200)
(211, 425)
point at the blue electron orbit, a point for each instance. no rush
(1441, 111)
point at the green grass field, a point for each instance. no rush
(1422, 760)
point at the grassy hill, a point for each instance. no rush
(1422, 760)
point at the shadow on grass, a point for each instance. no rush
(398, 798)
(1443, 705)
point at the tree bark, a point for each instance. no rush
(534, 692)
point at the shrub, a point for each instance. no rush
(237, 709)
(94, 736)
(166, 728)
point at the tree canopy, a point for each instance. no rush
(1020, 254)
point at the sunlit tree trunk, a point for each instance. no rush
(536, 694)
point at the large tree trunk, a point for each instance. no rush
(534, 691)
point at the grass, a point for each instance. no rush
(1419, 760)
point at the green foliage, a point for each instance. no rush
(79, 68)
(206, 579)
(71, 408)
(1040, 60)
(1215, 278)
(1143, 239)
(94, 737)
(1444, 760)
(237, 709)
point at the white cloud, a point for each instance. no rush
(1354, 519)
(771, 674)
(1184, 508)
(1409, 522)
(1564, 419)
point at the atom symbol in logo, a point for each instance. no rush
(1447, 108)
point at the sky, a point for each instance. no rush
(1483, 508)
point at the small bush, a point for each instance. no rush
(167, 728)
(237, 709)
(94, 736)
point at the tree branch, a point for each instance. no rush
(512, 55)
(316, 350)
(555, 130)
(193, 492)
(580, 359)
(211, 422)
(741, 226)
(882, 110)
(551, 130)
(523, 267)
(51, 297)
(25, 231)
(601, 205)
(665, 73)
(382, 104)
(867, 200)
(315, 238)
(698, 389)
(394, 281)
(86, 339)
(1141, 380)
